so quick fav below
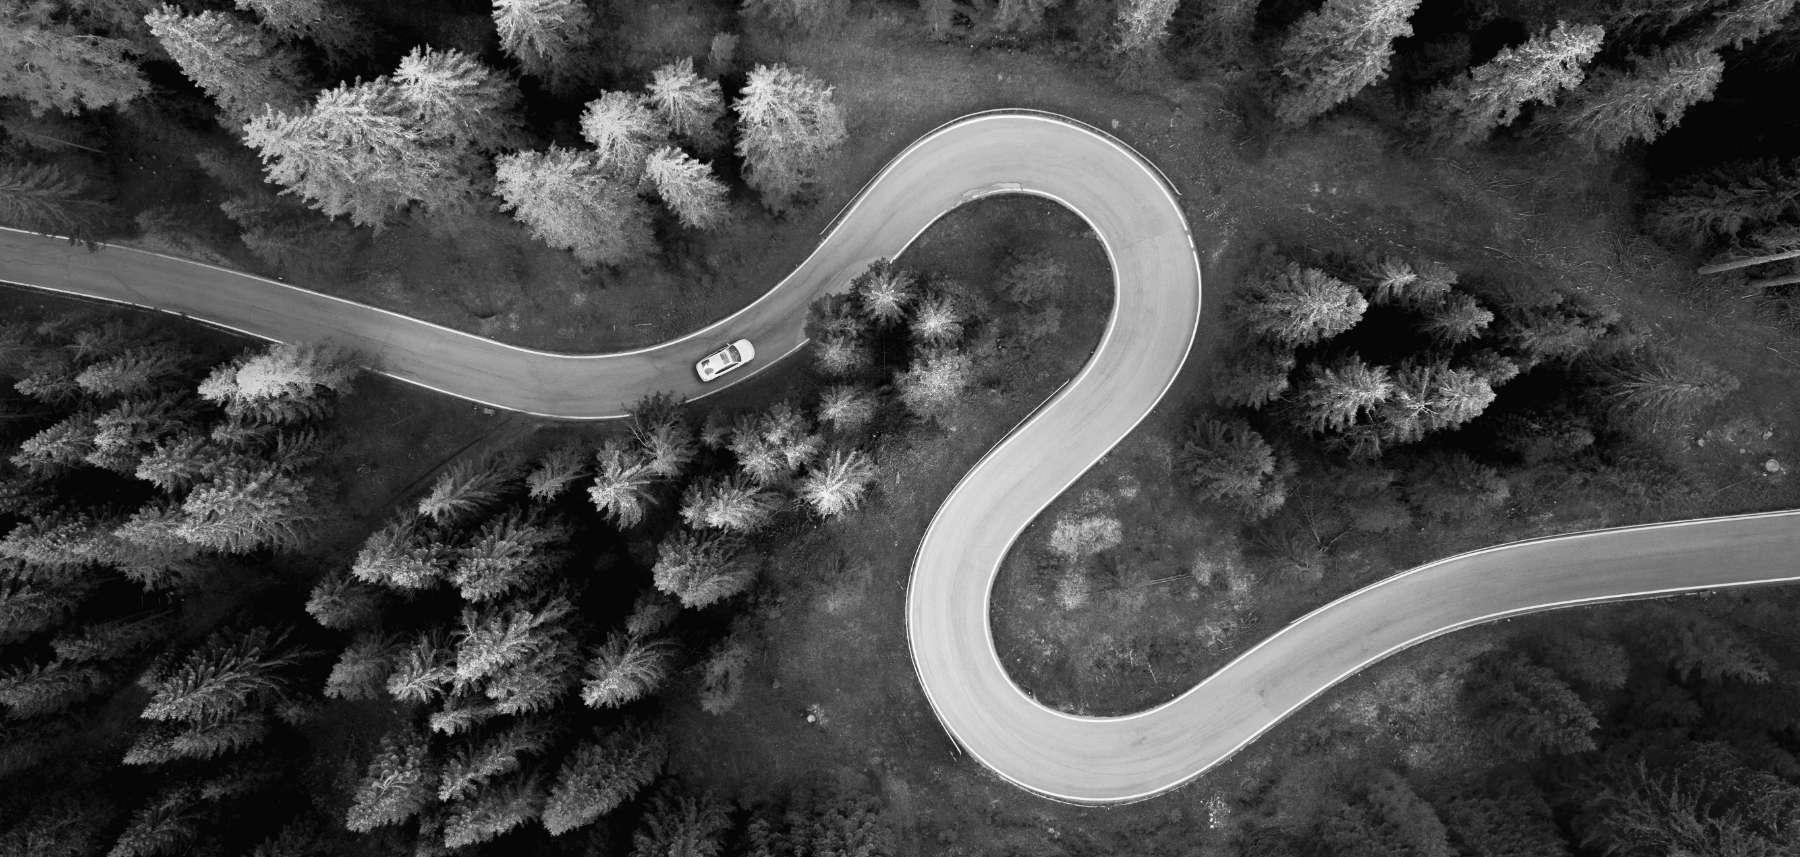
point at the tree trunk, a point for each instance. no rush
(1720, 267)
(1772, 282)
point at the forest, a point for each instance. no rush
(1476, 270)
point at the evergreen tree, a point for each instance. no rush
(552, 40)
(1385, 818)
(690, 106)
(663, 433)
(1336, 51)
(702, 569)
(1721, 202)
(537, 681)
(883, 293)
(1741, 23)
(423, 672)
(626, 669)
(1469, 109)
(466, 487)
(27, 608)
(403, 555)
(1458, 319)
(1668, 388)
(1255, 375)
(458, 103)
(65, 445)
(731, 503)
(1034, 278)
(1510, 820)
(802, 14)
(937, 322)
(506, 553)
(495, 637)
(789, 124)
(44, 198)
(771, 445)
(841, 356)
(1225, 28)
(1452, 486)
(1705, 803)
(1337, 396)
(235, 63)
(621, 489)
(1229, 463)
(651, 612)
(209, 738)
(341, 32)
(166, 825)
(474, 764)
(1143, 25)
(935, 382)
(136, 371)
(624, 131)
(600, 776)
(112, 641)
(722, 676)
(570, 202)
(688, 187)
(283, 383)
(342, 602)
(1698, 646)
(680, 825)
(362, 670)
(558, 469)
(400, 782)
(1619, 106)
(230, 672)
(836, 486)
(51, 65)
(248, 512)
(846, 408)
(1528, 706)
(1296, 306)
(43, 689)
(495, 810)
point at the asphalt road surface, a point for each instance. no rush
(1156, 313)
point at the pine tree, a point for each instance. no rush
(689, 105)
(883, 293)
(626, 669)
(65, 445)
(937, 321)
(402, 554)
(687, 187)
(679, 825)
(1229, 463)
(400, 782)
(624, 131)
(166, 825)
(731, 503)
(722, 676)
(362, 670)
(552, 40)
(769, 446)
(1509, 820)
(1721, 202)
(235, 63)
(1255, 375)
(556, 471)
(209, 738)
(1458, 319)
(1697, 646)
(112, 641)
(459, 103)
(570, 202)
(423, 671)
(230, 672)
(248, 512)
(474, 764)
(284, 383)
(1672, 388)
(846, 408)
(495, 810)
(600, 776)
(1385, 817)
(789, 125)
(467, 487)
(651, 612)
(1336, 51)
(841, 356)
(1225, 29)
(1702, 802)
(836, 486)
(54, 66)
(537, 681)
(1035, 277)
(496, 637)
(341, 32)
(1336, 396)
(1529, 706)
(1451, 486)
(702, 569)
(45, 199)
(934, 383)
(621, 489)
(47, 688)
(136, 371)
(506, 553)
(1741, 23)
(1618, 106)
(342, 602)
(1467, 110)
(1143, 25)
(1295, 306)
(663, 433)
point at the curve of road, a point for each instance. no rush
(1156, 310)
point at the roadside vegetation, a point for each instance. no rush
(1474, 272)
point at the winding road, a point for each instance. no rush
(1138, 217)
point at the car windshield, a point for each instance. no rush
(730, 354)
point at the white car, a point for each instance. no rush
(725, 359)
